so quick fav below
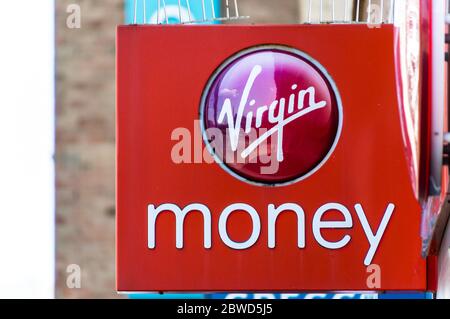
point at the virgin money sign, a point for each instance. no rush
(262, 158)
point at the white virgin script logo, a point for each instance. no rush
(279, 119)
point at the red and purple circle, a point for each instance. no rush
(271, 115)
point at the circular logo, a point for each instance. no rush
(271, 115)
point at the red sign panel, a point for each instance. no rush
(263, 158)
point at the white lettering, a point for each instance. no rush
(374, 240)
(273, 212)
(180, 215)
(319, 224)
(276, 114)
(227, 109)
(223, 226)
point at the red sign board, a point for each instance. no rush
(263, 158)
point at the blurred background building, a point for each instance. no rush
(85, 147)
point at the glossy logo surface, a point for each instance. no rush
(271, 115)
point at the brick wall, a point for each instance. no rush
(85, 147)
